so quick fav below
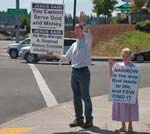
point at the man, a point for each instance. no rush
(79, 55)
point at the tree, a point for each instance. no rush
(104, 7)
(25, 22)
(137, 5)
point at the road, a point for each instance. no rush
(20, 94)
(4, 44)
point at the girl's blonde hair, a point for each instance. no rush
(126, 50)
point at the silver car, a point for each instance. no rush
(13, 49)
(34, 58)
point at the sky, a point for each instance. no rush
(82, 5)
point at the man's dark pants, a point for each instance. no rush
(80, 82)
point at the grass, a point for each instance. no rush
(135, 40)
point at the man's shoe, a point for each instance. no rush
(88, 124)
(77, 122)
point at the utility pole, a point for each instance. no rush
(17, 23)
(74, 14)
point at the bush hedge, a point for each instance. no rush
(143, 26)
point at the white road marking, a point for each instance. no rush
(49, 98)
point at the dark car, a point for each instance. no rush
(142, 56)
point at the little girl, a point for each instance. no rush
(124, 112)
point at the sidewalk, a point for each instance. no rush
(55, 120)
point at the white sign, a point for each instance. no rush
(47, 28)
(124, 84)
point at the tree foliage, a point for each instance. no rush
(137, 5)
(25, 22)
(104, 7)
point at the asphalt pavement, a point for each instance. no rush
(55, 120)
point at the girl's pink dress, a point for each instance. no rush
(125, 112)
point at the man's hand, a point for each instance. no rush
(50, 54)
(82, 18)
(83, 21)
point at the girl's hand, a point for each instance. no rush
(111, 62)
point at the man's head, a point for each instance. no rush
(78, 31)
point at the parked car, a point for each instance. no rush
(142, 56)
(13, 49)
(34, 58)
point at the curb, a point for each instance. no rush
(105, 58)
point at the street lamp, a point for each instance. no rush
(74, 14)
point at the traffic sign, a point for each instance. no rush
(13, 12)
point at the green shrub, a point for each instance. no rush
(120, 20)
(143, 26)
(116, 20)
